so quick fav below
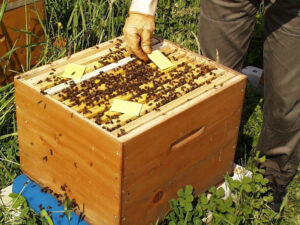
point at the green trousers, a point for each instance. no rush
(227, 25)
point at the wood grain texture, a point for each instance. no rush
(147, 167)
(201, 175)
(175, 103)
(43, 125)
(63, 61)
(129, 180)
(15, 18)
(83, 58)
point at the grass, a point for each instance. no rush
(9, 156)
(71, 26)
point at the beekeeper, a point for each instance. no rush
(227, 25)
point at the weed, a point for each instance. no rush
(18, 212)
(246, 204)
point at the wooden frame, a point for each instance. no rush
(15, 17)
(129, 179)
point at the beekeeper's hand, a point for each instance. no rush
(139, 27)
(138, 31)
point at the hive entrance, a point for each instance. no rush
(132, 80)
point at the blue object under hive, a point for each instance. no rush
(36, 199)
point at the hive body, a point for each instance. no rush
(122, 169)
(15, 17)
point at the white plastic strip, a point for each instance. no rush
(87, 76)
(109, 67)
(94, 73)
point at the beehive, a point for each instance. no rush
(123, 169)
(12, 35)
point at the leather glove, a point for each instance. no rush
(138, 31)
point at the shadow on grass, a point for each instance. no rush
(251, 122)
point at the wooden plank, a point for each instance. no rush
(10, 38)
(128, 96)
(140, 171)
(86, 61)
(207, 60)
(158, 167)
(140, 125)
(173, 126)
(83, 57)
(76, 143)
(137, 122)
(202, 175)
(17, 4)
(55, 89)
(73, 59)
(107, 68)
(171, 105)
(213, 138)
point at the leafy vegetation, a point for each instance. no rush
(9, 153)
(73, 25)
(19, 207)
(246, 203)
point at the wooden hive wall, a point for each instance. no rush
(129, 179)
(152, 170)
(89, 162)
(15, 17)
(45, 80)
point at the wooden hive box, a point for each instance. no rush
(14, 20)
(122, 169)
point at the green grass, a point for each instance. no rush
(83, 23)
(9, 153)
(291, 212)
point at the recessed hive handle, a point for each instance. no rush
(187, 138)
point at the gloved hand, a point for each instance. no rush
(138, 31)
